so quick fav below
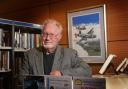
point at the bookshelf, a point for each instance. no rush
(16, 37)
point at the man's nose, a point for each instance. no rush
(48, 36)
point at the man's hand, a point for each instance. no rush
(56, 73)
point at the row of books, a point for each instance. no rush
(122, 67)
(4, 61)
(18, 61)
(63, 82)
(27, 40)
(21, 40)
(5, 38)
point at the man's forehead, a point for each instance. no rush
(50, 28)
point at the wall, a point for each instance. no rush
(116, 12)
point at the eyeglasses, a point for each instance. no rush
(51, 35)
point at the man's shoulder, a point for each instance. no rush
(67, 49)
(33, 50)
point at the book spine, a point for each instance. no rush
(107, 62)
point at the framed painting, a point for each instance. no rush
(87, 33)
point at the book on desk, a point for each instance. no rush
(122, 66)
(89, 83)
(47, 82)
(107, 63)
(63, 82)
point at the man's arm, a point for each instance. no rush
(78, 66)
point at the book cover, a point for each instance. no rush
(62, 82)
(89, 83)
(106, 63)
(124, 66)
(34, 82)
(121, 64)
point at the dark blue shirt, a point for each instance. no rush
(48, 62)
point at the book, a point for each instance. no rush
(61, 82)
(1, 36)
(124, 66)
(34, 82)
(89, 83)
(106, 63)
(121, 64)
(4, 61)
(47, 82)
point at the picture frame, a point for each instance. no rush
(87, 33)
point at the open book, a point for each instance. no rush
(121, 67)
(106, 63)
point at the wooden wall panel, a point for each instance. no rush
(81, 4)
(117, 19)
(116, 12)
(58, 11)
(35, 15)
(12, 6)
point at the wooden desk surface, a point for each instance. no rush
(115, 81)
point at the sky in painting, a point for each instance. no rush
(86, 19)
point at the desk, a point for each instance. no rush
(65, 82)
(115, 81)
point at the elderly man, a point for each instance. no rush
(51, 58)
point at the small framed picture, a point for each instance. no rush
(87, 33)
